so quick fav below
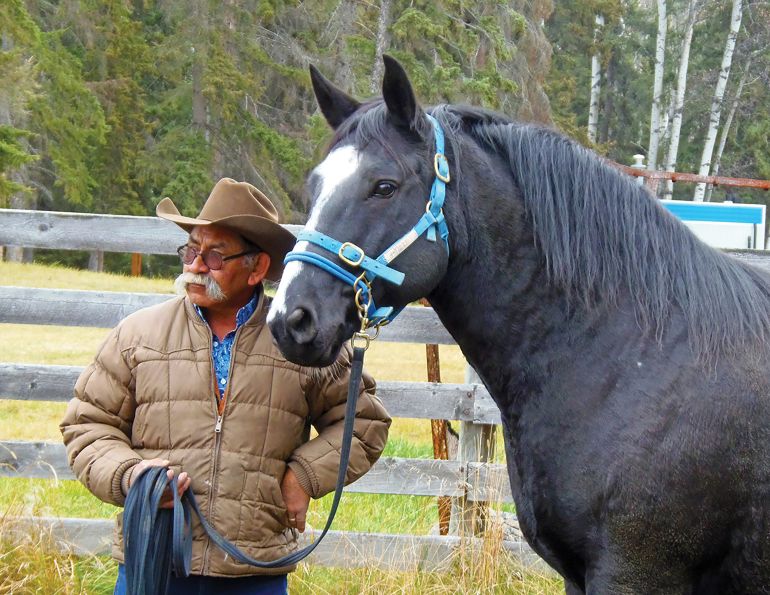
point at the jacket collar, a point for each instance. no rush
(251, 314)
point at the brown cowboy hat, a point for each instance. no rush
(243, 208)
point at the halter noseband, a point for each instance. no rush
(431, 222)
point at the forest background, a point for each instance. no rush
(106, 106)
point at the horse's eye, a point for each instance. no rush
(384, 189)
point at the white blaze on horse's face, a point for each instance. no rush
(339, 165)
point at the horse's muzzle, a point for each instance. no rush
(298, 338)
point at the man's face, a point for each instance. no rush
(230, 286)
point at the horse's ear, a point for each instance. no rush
(335, 104)
(399, 96)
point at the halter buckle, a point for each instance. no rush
(361, 336)
(441, 167)
(350, 261)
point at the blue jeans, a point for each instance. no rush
(214, 585)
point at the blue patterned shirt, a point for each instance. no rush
(222, 349)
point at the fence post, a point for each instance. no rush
(438, 430)
(96, 261)
(136, 265)
(477, 443)
(639, 164)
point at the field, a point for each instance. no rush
(30, 570)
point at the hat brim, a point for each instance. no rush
(268, 235)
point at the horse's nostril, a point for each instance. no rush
(301, 326)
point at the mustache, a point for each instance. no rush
(213, 290)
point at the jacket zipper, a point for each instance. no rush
(220, 415)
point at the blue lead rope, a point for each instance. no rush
(157, 541)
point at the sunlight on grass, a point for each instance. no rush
(60, 277)
(30, 420)
(49, 497)
(51, 345)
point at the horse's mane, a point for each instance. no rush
(604, 236)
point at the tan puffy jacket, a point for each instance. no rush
(151, 392)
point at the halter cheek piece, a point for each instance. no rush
(431, 222)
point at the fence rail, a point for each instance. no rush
(86, 231)
(390, 475)
(419, 400)
(104, 309)
(359, 550)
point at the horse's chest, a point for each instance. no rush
(552, 492)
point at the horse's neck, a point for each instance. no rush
(487, 308)
(496, 299)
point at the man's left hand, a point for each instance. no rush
(296, 500)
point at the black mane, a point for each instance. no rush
(602, 234)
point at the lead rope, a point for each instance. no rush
(159, 540)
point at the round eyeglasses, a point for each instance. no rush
(213, 259)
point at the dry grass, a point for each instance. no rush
(31, 563)
(483, 572)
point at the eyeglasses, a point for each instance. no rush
(213, 259)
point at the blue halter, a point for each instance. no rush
(431, 222)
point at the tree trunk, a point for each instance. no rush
(383, 22)
(681, 88)
(609, 103)
(596, 82)
(15, 253)
(199, 108)
(728, 123)
(657, 93)
(17, 200)
(340, 26)
(719, 93)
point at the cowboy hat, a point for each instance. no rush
(243, 208)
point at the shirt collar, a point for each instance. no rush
(244, 313)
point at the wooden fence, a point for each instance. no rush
(468, 480)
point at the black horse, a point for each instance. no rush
(627, 358)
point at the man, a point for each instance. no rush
(197, 384)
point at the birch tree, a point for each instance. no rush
(716, 102)
(383, 21)
(655, 117)
(728, 123)
(681, 88)
(596, 82)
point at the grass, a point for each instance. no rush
(35, 569)
(30, 563)
(60, 277)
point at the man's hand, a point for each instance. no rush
(167, 499)
(296, 500)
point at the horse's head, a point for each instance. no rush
(369, 192)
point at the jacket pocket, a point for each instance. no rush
(263, 511)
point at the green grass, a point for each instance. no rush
(60, 277)
(35, 570)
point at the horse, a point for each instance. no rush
(628, 359)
